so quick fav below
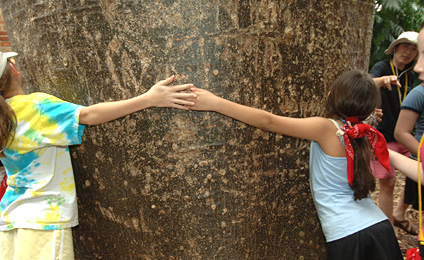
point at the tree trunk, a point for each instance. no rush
(170, 184)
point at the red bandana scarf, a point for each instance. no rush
(3, 186)
(376, 139)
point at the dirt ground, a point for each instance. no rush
(406, 240)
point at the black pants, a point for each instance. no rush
(377, 242)
(411, 193)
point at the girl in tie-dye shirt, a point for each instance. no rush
(39, 206)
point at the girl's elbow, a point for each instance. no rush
(89, 121)
(86, 119)
(398, 136)
(267, 123)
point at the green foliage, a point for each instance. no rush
(393, 17)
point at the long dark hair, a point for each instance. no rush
(7, 115)
(355, 94)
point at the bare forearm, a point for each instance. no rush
(405, 164)
(251, 116)
(387, 81)
(408, 141)
(159, 95)
(379, 81)
(294, 127)
(108, 111)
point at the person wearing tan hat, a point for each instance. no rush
(39, 207)
(410, 125)
(403, 52)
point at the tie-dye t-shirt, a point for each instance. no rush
(41, 189)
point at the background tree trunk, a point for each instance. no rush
(169, 184)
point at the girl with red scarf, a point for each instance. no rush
(341, 179)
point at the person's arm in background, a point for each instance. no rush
(403, 130)
(387, 81)
(406, 165)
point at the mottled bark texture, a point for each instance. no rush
(169, 184)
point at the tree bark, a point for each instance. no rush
(169, 184)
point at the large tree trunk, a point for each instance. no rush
(169, 184)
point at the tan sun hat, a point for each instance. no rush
(3, 60)
(405, 37)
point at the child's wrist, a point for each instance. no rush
(145, 100)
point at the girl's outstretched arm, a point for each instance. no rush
(160, 95)
(406, 165)
(295, 127)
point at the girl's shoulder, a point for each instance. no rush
(39, 96)
(323, 127)
(381, 68)
(324, 121)
(33, 98)
(27, 106)
(327, 120)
